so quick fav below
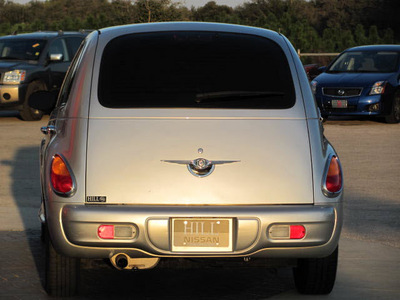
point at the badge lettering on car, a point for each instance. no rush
(96, 199)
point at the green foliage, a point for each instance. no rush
(311, 25)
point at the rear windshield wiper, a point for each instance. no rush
(232, 95)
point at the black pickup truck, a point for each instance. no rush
(33, 62)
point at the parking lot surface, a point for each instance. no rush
(369, 256)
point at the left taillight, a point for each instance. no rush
(61, 177)
(333, 180)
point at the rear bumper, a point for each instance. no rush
(73, 229)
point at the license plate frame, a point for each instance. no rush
(339, 103)
(202, 234)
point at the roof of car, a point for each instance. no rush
(44, 35)
(376, 48)
(190, 26)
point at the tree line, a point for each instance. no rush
(312, 26)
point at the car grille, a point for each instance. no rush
(342, 92)
(350, 108)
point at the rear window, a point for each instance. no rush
(194, 70)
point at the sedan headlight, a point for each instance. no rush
(314, 86)
(14, 77)
(378, 88)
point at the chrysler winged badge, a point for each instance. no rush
(200, 167)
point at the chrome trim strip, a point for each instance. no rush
(200, 167)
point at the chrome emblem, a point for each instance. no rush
(200, 163)
(340, 92)
(200, 167)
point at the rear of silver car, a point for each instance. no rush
(190, 140)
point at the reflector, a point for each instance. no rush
(106, 231)
(297, 231)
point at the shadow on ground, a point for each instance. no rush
(26, 193)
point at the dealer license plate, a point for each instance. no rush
(339, 103)
(201, 234)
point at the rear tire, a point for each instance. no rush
(62, 273)
(316, 276)
(28, 113)
(394, 116)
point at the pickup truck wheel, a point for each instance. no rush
(62, 273)
(316, 276)
(394, 116)
(28, 113)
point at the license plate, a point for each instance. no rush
(201, 234)
(339, 103)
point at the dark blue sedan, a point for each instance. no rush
(361, 81)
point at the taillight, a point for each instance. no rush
(333, 178)
(61, 178)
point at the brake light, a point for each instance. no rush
(60, 176)
(333, 182)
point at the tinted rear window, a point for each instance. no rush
(194, 70)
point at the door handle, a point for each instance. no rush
(50, 129)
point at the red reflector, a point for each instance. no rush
(106, 231)
(334, 177)
(60, 177)
(297, 231)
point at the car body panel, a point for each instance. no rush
(141, 176)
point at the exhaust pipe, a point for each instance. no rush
(122, 261)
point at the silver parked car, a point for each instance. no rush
(188, 140)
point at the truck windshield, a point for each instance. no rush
(21, 49)
(366, 62)
(195, 69)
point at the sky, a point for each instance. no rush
(188, 3)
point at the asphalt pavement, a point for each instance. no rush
(369, 252)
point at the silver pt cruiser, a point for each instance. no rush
(188, 140)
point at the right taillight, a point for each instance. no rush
(61, 177)
(333, 179)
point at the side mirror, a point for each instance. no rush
(322, 69)
(56, 57)
(43, 100)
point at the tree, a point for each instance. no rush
(359, 35)
(373, 36)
